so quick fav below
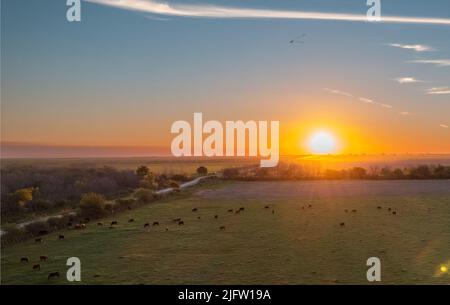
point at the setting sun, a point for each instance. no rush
(322, 142)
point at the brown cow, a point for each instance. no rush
(38, 240)
(394, 213)
(61, 237)
(180, 223)
(24, 260)
(342, 224)
(222, 228)
(37, 267)
(114, 222)
(266, 207)
(53, 275)
(216, 216)
(155, 223)
(177, 220)
(43, 258)
(354, 211)
(230, 211)
(146, 225)
(241, 209)
(131, 220)
(194, 210)
(99, 224)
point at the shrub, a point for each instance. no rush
(37, 227)
(230, 173)
(92, 205)
(202, 170)
(143, 195)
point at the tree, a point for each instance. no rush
(202, 170)
(142, 171)
(357, 173)
(92, 205)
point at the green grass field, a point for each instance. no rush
(295, 245)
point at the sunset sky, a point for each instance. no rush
(118, 79)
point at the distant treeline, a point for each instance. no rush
(30, 190)
(300, 172)
(85, 195)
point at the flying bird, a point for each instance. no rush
(297, 39)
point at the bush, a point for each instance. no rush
(35, 228)
(230, 173)
(202, 170)
(143, 195)
(12, 235)
(55, 223)
(92, 205)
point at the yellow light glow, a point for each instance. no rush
(444, 269)
(322, 142)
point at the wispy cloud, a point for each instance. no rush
(407, 80)
(214, 11)
(338, 92)
(438, 90)
(414, 47)
(443, 126)
(436, 62)
(405, 113)
(366, 100)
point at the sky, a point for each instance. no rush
(114, 83)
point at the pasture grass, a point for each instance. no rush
(293, 245)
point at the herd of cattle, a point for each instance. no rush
(179, 221)
(112, 225)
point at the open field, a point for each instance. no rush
(295, 245)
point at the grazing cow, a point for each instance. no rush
(394, 213)
(114, 223)
(237, 211)
(146, 225)
(194, 210)
(37, 267)
(43, 232)
(180, 223)
(222, 228)
(389, 209)
(77, 227)
(273, 211)
(354, 211)
(217, 216)
(266, 207)
(342, 224)
(99, 224)
(198, 217)
(230, 211)
(379, 208)
(155, 223)
(43, 258)
(38, 240)
(309, 205)
(167, 229)
(53, 275)
(61, 237)
(24, 260)
(303, 208)
(131, 220)
(83, 226)
(69, 224)
(177, 220)
(241, 209)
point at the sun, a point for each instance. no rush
(322, 142)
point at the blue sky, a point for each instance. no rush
(121, 77)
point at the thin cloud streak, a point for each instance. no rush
(210, 11)
(436, 62)
(407, 80)
(415, 47)
(438, 90)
